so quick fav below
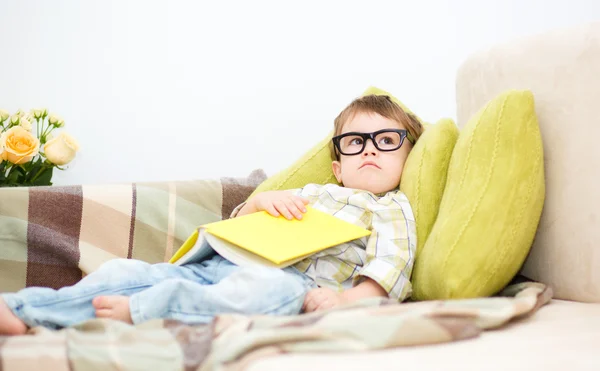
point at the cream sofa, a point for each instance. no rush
(50, 236)
(562, 68)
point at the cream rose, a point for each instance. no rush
(18, 145)
(39, 113)
(61, 150)
(25, 124)
(56, 120)
(3, 115)
(24, 115)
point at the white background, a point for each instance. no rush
(169, 90)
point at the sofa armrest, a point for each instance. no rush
(52, 236)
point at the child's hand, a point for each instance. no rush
(280, 202)
(321, 299)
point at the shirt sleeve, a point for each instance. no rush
(391, 249)
(237, 210)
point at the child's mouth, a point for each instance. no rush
(369, 164)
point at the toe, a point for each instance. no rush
(9, 323)
(100, 302)
(104, 313)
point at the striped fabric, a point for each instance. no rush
(51, 236)
(234, 342)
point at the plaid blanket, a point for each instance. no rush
(233, 342)
(52, 236)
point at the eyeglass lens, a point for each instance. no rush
(386, 141)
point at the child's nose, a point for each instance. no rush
(370, 148)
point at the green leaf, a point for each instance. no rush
(44, 178)
(37, 167)
(20, 170)
(13, 177)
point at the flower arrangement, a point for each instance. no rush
(28, 159)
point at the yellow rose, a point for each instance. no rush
(18, 145)
(61, 150)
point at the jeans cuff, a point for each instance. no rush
(135, 310)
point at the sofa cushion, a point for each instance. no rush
(424, 176)
(561, 68)
(491, 205)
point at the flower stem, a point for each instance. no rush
(46, 132)
(40, 171)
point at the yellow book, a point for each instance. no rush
(260, 238)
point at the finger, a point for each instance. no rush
(271, 210)
(300, 204)
(293, 208)
(304, 200)
(282, 208)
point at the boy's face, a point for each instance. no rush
(372, 170)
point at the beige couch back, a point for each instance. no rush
(562, 69)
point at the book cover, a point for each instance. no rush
(260, 238)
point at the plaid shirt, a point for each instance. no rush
(386, 256)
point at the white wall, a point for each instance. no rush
(165, 89)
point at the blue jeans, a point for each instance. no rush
(192, 293)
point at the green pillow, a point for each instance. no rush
(424, 176)
(491, 206)
(315, 165)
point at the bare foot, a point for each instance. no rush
(114, 307)
(9, 323)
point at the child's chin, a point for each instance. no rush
(372, 184)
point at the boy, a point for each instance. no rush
(369, 151)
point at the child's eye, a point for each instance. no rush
(356, 142)
(387, 140)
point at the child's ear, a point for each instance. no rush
(336, 166)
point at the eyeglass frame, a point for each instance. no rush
(404, 134)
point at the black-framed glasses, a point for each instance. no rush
(386, 140)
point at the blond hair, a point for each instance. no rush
(382, 105)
